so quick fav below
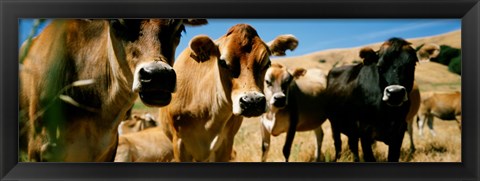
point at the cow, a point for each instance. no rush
(443, 105)
(369, 101)
(149, 145)
(293, 99)
(80, 77)
(136, 123)
(427, 52)
(226, 85)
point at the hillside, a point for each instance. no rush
(430, 76)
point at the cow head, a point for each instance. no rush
(277, 82)
(396, 69)
(427, 52)
(242, 60)
(148, 46)
(136, 124)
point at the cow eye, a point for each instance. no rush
(269, 83)
(267, 66)
(223, 63)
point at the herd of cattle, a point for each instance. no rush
(81, 78)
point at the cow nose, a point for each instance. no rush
(157, 76)
(279, 100)
(252, 104)
(155, 81)
(395, 95)
(396, 90)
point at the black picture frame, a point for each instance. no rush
(11, 11)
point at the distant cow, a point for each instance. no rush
(293, 99)
(219, 83)
(445, 106)
(149, 145)
(443, 54)
(369, 101)
(136, 123)
(80, 77)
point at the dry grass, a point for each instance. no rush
(444, 147)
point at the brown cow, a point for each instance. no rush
(296, 95)
(149, 145)
(136, 124)
(414, 97)
(225, 86)
(445, 106)
(81, 76)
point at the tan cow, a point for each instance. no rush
(219, 83)
(293, 95)
(445, 106)
(149, 145)
(427, 52)
(136, 123)
(81, 76)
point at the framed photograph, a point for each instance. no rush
(305, 39)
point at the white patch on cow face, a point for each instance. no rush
(136, 78)
(267, 88)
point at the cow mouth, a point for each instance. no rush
(395, 101)
(155, 98)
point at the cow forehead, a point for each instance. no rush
(242, 41)
(275, 73)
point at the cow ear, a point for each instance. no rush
(298, 72)
(195, 22)
(368, 55)
(427, 52)
(202, 48)
(282, 43)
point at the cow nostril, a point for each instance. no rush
(279, 98)
(245, 99)
(145, 76)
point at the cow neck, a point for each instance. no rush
(200, 89)
(119, 77)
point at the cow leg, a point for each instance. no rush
(265, 142)
(410, 133)
(430, 125)
(459, 121)
(420, 122)
(225, 151)
(395, 144)
(337, 141)
(319, 135)
(288, 142)
(367, 149)
(180, 153)
(292, 129)
(353, 145)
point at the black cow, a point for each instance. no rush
(369, 101)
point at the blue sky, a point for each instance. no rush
(315, 34)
